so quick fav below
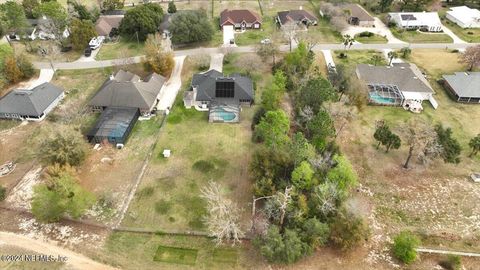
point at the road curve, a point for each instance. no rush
(75, 260)
(247, 49)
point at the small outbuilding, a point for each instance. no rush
(463, 86)
(114, 125)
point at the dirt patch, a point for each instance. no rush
(21, 195)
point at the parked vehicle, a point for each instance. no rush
(88, 51)
(96, 42)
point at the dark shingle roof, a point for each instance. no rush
(358, 12)
(127, 90)
(237, 16)
(407, 77)
(295, 16)
(105, 24)
(206, 85)
(465, 84)
(30, 102)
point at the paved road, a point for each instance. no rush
(245, 49)
(75, 260)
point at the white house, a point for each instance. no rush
(464, 16)
(425, 21)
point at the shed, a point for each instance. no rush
(114, 125)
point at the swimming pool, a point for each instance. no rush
(220, 114)
(376, 98)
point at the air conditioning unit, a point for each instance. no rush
(120, 145)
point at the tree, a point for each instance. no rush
(392, 55)
(278, 205)
(342, 174)
(347, 41)
(475, 145)
(158, 58)
(25, 66)
(29, 6)
(64, 147)
(417, 136)
(314, 233)
(3, 193)
(171, 7)
(141, 21)
(301, 149)
(314, 93)
(60, 195)
(112, 4)
(190, 27)
(286, 248)
(272, 96)
(56, 18)
(268, 50)
(302, 176)
(82, 31)
(13, 16)
(80, 11)
(453, 262)
(471, 57)
(451, 147)
(223, 219)
(405, 51)
(404, 247)
(348, 230)
(385, 5)
(341, 115)
(273, 129)
(386, 137)
(11, 70)
(325, 197)
(376, 59)
(319, 129)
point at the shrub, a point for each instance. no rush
(453, 262)
(64, 147)
(404, 247)
(3, 193)
(342, 55)
(286, 248)
(163, 206)
(454, 51)
(470, 32)
(391, 24)
(146, 192)
(348, 230)
(366, 34)
(203, 166)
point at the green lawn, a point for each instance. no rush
(419, 37)
(176, 255)
(375, 39)
(468, 35)
(120, 49)
(358, 57)
(253, 37)
(324, 33)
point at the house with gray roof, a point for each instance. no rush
(298, 17)
(126, 89)
(222, 95)
(463, 86)
(31, 105)
(402, 84)
(357, 15)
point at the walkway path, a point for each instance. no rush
(75, 260)
(172, 86)
(46, 75)
(449, 32)
(216, 61)
(245, 49)
(439, 251)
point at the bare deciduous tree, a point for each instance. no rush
(418, 135)
(223, 219)
(325, 196)
(277, 205)
(471, 57)
(341, 115)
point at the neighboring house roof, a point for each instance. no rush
(114, 12)
(295, 16)
(30, 102)
(414, 19)
(126, 89)
(105, 24)
(407, 77)
(357, 11)
(205, 83)
(465, 84)
(238, 16)
(469, 17)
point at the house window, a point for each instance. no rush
(225, 89)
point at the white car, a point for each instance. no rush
(475, 177)
(96, 42)
(265, 41)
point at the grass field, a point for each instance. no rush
(176, 255)
(375, 39)
(120, 49)
(419, 37)
(358, 57)
(468, 35)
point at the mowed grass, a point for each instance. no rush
(355, 57)
(176, 255)
(468, 35)
(420, 37)
(158, 251)
(121, 49)
(375, 39)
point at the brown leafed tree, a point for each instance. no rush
(223, 219)
(158, 56)
(471, 57)
(11, 70)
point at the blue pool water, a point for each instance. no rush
(381, 100)
(226, 116)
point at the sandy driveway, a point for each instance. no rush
(379, 29)
(170, 89)
(216, 61)
(75, 260)
(46, 75)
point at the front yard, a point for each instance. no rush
(469, 35)
(420, 37)
(354, 57)
(374, 39)
(120, 49)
